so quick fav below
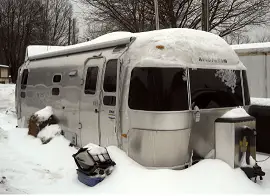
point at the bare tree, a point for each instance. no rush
(96, 29)
(128, 15)
(27, 22)
(226, 16)
(18, 19)
(238, 37)
(54, 29)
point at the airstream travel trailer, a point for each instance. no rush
(155, 94)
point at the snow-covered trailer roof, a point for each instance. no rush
(184, 47)
(33, 50)
(82, 47)
(252, 48)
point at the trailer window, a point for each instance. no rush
(110, 78)
(109, 100)
(57, 78)
(213, 88)
(22, 94)
(24, 79)
(158, 89)
(55, 91)
(91, 80)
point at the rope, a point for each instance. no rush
(263, 160)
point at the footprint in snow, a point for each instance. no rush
(50, 174)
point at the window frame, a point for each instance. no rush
(24, 86)
(245, 87)
(58, 91)
(57, 74)
(221, 108)
(150, 111)
(109, 96)
(85, 79)
(103, 79)
(188, 91)
(107, 93)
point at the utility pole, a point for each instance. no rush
(69, 30)
(205, 15)
(73, 31)
(45, 25)
(156, 14)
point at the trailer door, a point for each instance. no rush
(109, 103)
(90, 101)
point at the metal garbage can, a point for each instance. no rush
(233, 138)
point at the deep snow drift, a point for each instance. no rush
(30, 167)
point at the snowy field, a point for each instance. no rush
(27, 166)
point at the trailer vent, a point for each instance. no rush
(73, 73)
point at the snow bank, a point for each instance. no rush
(7, 97)
(45, 113)
(49, 132)
(236, 113)
(260, 101)
(51, 169)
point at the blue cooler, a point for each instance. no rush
(88, 180)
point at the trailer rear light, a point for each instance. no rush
(124, 135)
(161, 47)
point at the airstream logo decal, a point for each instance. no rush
(210, 60)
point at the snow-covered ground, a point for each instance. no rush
(27, 166)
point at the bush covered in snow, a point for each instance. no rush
(44, 125)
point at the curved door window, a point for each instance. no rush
(110, 77)
(91, 80)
